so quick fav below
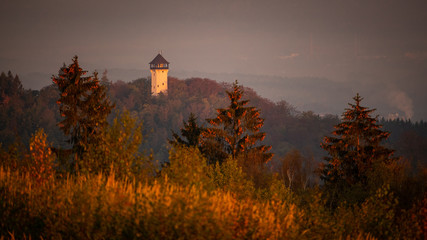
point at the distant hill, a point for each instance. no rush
(394, 98)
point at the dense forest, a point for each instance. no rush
(23, 111)
(139, 170)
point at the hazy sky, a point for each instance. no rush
(376, 43)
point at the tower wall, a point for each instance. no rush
(159, 81)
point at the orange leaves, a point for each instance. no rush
(42, 158)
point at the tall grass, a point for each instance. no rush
(99, 207)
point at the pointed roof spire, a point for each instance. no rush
(159, 59)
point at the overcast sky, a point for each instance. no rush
(381, 43)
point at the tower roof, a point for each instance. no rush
(159, 59)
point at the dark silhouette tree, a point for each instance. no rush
(10, 85)
(105, 81)
(16, 120)
(190, 133)
(235, 131)
(84, 105)
(355, 150)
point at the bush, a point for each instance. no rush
(230, 177)
(117, 151)
(187, 167)
(41, 158)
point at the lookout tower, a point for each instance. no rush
(159, 68)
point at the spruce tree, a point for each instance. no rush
(355, 150)
(235, 131)
(84, 105)
(190, 133)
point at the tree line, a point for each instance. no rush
(23, 111)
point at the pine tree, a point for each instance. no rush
(235, 131)
(191, 133)
(83, 104)
(355, 149)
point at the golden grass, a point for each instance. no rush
(101, 207)
(96, 206)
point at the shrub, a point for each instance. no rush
(230, 177)
(41, 158)
(187, 167)
(117, 151)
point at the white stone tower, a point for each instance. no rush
(159, 68)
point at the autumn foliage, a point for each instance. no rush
(219, 182)
(42, 159)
